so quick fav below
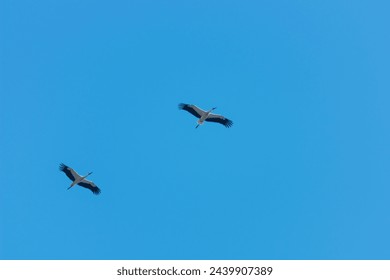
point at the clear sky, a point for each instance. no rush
(302, 174)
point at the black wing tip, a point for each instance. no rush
(96, 191)
(62, 167)
(228, 123)
(182, 106)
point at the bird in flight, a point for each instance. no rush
(79, 180)
(205, 115)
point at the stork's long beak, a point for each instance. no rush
(197, 126)
(69, 187)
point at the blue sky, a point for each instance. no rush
(302, 174)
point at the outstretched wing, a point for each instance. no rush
(89, 185)
(197, 112)
(219, 119)
(69, 172)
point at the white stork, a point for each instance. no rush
(205, 115)
(79, 180)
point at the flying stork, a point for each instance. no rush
(79, 180)
(205, 115)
